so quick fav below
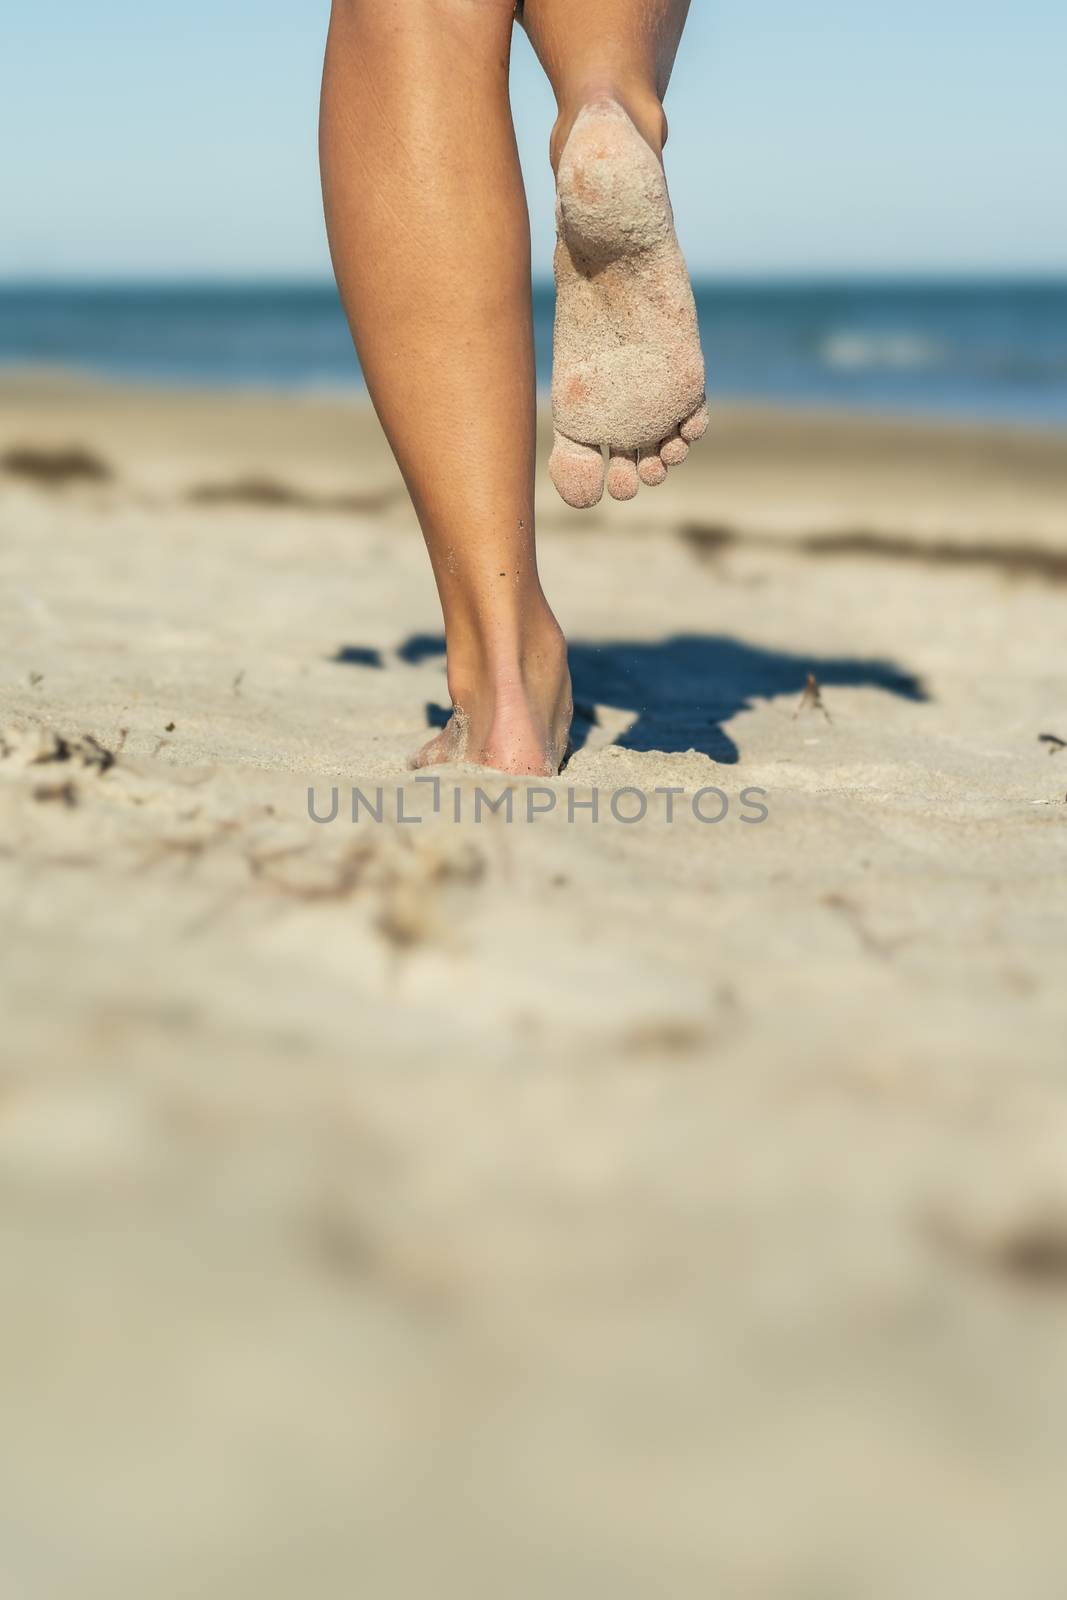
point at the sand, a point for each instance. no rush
(544, 1208)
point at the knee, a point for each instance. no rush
(433, 28)
(403, 14)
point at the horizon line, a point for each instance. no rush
(739, 278)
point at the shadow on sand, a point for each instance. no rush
(683, 689)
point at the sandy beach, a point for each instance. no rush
(547, 1206)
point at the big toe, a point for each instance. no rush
(577, 470)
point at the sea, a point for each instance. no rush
(993, 350)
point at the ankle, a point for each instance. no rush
(640, 102)
(494, 668)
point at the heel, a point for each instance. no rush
(612, 195)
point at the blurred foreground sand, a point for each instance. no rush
(539, 1209)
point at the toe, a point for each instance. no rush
(622, 476)
(577, 470)
(696, 426)
(673, 451)
(651, 469)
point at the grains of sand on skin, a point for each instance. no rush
(629, 372)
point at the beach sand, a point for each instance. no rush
(545, 1208)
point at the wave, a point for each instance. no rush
(847, 351)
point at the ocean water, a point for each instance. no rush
(995, 350)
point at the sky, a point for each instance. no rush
(179, 141)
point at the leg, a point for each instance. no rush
(430, 242)
(628, 371)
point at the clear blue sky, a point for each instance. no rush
(179, 140)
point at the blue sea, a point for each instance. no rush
(995, 350)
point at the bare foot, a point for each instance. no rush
(628, 368)
(516, 721)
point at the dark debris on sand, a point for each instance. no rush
(270, 494)
(54, 467)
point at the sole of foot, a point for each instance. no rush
(628, 371)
